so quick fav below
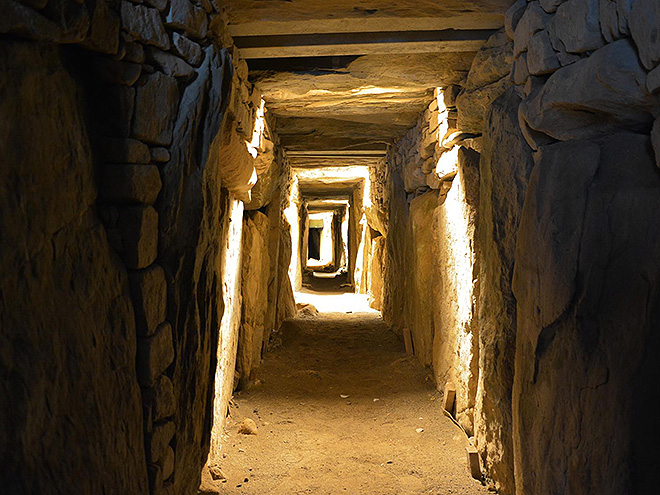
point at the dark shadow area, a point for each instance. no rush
(327, 282)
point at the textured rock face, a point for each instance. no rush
(190, 247)
(256, 274)
(591, 344)
(587, 98)
(455, 341)
(66, 298)
(505, 166)
(487, 79)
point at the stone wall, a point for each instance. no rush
(125, 128)
(560, 106)
(68, 335)
(430, 262)
(586, 314)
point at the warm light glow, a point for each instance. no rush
(324, 219)
(291, 215)
(231, 319)
(326, 302)
(257, 143)
(375, 90)
(448, 162)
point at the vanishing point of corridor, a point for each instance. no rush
(466, 190)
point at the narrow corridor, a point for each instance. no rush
(342, 409)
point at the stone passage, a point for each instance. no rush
(174, 173)
(340, 408)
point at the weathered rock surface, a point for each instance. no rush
(68, 333)
(254, 289)
(191, 240)
(144, 24)
(533, 20)
(541, 57)
(592, 357)
(492, 62)
(473, 105)
(505, 166)
(576, 26)
(644, 22)
(155, 109)
(588, 99)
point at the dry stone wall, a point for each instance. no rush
(429, 263)
(586, 73)
(560, 105)
(139, 113)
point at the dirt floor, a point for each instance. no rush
(340, 409)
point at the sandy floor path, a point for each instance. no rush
(342, 409)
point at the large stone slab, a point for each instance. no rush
(144, 24)
(156, 106)
(596, 361)
(576, 26)
(68, 334)
(505, 166)
(644, 23)
(588, 98)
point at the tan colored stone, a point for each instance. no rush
(149, 292)
(154, 354)
(159, 440)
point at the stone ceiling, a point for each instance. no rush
(342, 76)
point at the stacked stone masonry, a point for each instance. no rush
(555, 106)
(158, 81)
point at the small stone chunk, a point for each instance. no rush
(154, 355)
(149, 293)
(170, 64)
(541, 57)
(160, 155)
(167, 463)
(532, 21)
(188, 49)
(576, 24)
(134, 53)
(159, 441)
(512, 17)
(155, 110)
(164, 402)
(184, 15)
(248, 427)
(144, 24)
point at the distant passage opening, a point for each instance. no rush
(314, 244)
